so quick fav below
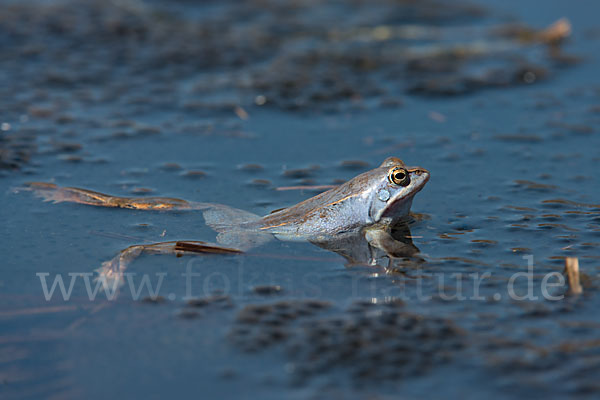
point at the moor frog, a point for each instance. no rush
(360, 211)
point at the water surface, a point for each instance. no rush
(225, 103)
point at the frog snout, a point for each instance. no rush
(421, 172)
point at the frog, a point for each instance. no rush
(362, 210)
(377, 196)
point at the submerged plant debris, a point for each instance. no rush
(367, 341)
(198, 61)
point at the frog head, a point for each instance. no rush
(394, 188)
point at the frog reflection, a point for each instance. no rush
(377, 245)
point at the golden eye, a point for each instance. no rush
(399, 176)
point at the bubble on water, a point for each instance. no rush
(529, 77)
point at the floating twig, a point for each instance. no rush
(241, 113)
(572, 272)
(314, 187)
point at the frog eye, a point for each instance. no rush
(399, 176)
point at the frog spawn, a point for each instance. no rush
(366, 341)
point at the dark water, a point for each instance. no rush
(218, 102)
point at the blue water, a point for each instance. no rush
(132, 118)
